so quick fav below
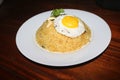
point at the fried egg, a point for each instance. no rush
(69, 25)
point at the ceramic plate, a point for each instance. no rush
(101, 36)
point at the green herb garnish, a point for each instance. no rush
(57, 12)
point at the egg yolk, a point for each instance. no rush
(70, 21)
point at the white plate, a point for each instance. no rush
(101, 36)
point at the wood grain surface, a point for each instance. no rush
(14, 66)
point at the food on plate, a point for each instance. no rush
(63, 33)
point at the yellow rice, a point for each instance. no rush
(49, 39)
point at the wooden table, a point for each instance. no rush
(14, 66)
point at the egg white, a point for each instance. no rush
(70, 32)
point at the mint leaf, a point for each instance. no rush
(57, 12)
